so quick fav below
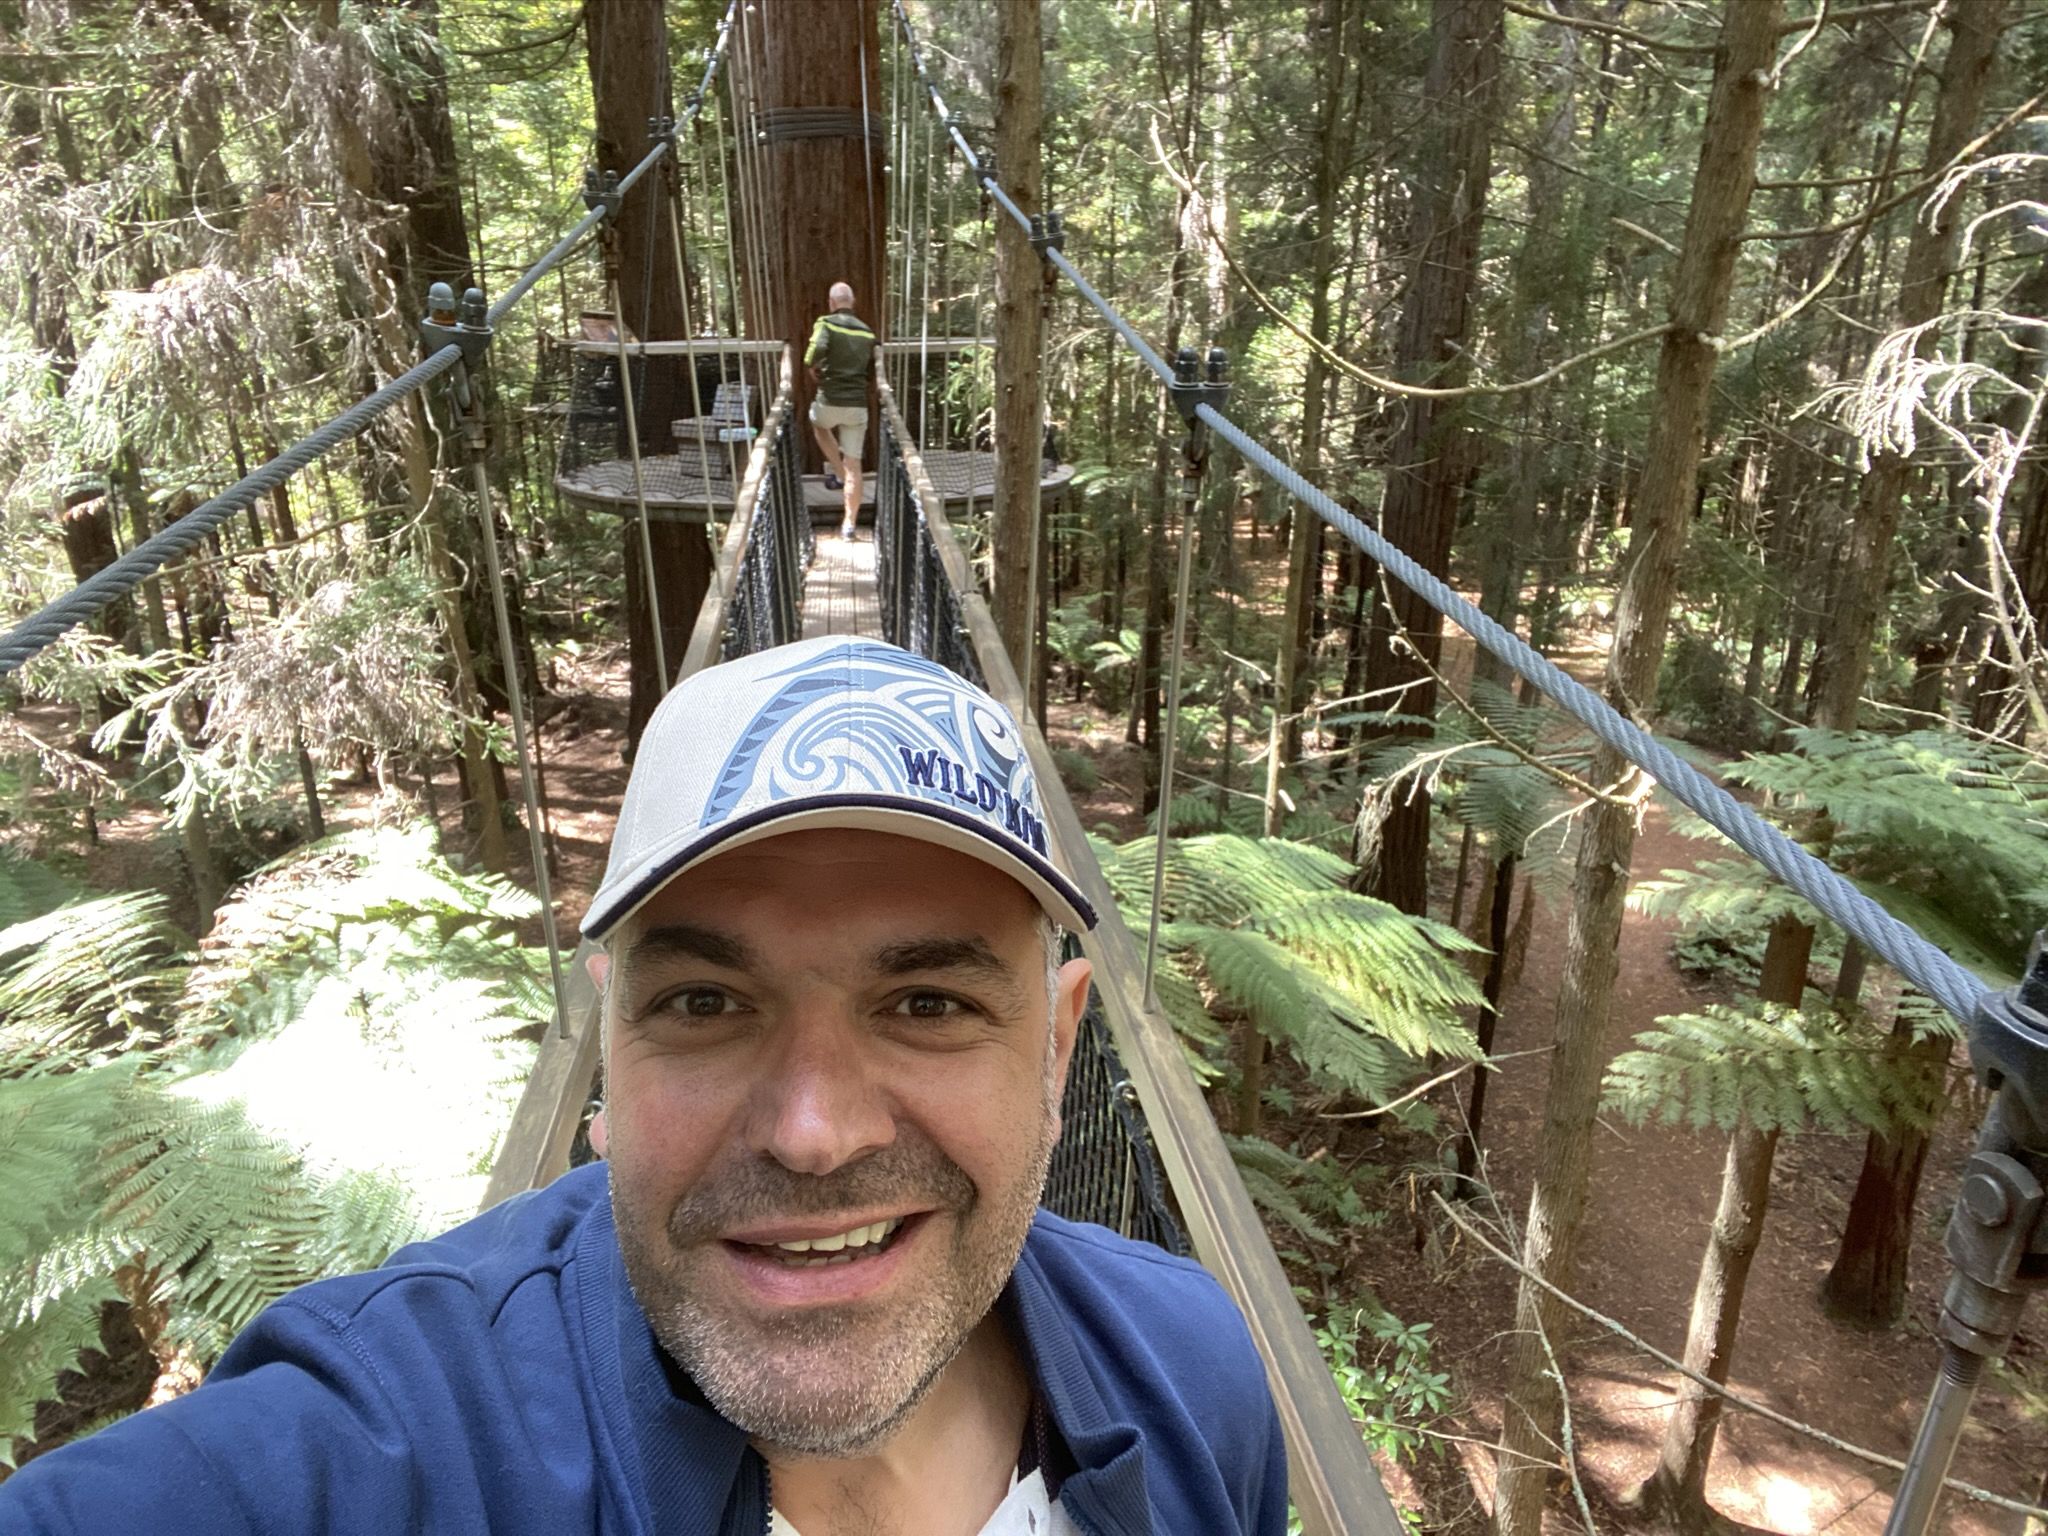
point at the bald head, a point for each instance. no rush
(842, 296)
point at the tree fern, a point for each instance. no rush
(90, 977)
(1353, 988)
(1771, 1067)
(324, 1080)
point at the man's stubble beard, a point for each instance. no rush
(834, 1382)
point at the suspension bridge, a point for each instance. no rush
(700, 430)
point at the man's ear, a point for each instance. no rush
(1070, 1001)
(599, 967)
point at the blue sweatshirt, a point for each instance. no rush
(502, 1378)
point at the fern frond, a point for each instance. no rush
(89, 976)
(1271, 1174)
(1772, 1067)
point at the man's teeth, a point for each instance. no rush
(833, 1250)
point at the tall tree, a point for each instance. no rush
(1664, 503)
(1332, 44)
(630, 79)
(1430, 458)
(1020, 386)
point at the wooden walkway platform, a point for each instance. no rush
(839, 588)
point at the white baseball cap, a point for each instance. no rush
(831, 732)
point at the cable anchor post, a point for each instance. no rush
(1191, 388)
(1048, 233)
(1998, 1232)
(466, 326)
(601, 190)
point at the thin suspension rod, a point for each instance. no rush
(515, 704)
(639, 487)
(675, 231)
(924, 308)
(1193, 461)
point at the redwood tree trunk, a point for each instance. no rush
(629, 72)
(1331, 42)
(1722, 185)
(1020, 391)
(1430, 458)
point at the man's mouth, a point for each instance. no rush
(862, 1242)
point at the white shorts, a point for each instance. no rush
(849, 423)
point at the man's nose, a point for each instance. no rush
(819, 1105)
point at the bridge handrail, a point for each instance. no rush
(1331, 1477)
(536, 1146)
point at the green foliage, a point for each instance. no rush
(1947, 833)
(1382, 1369)
(1497, 766)
(1355, 989)
(1771, 1067)
(1301, 1193)
(197, 1163)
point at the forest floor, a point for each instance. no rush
(1652, 1199)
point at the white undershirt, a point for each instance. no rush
(1026, 1511)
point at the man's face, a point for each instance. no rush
(833, 1074)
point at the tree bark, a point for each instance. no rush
(1498, 906)
(1430, 459)
(1331, 42)
(1930, 257)
(1020, 386)
(1868, 1278)
(628, 60)
(1722, 185)
(1676, 1492)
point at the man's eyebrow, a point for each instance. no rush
(686, 941)
(941, 954)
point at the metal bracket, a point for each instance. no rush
(662, 130)
(1188, 392)
(1048, 233)
(465, 325)
(602, 191)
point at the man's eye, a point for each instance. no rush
(701, 1002)
(930, 1005)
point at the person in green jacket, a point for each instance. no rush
(840, 358)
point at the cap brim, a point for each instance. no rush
(1053, 891)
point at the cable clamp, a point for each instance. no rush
(1189, 392)
(448, 324)
(1048, 233)
(662, 129)
(602, 191)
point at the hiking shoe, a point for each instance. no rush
(846, 532)
(833, 482)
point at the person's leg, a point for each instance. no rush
(828, 441)
(853, 431)
(830, 446)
